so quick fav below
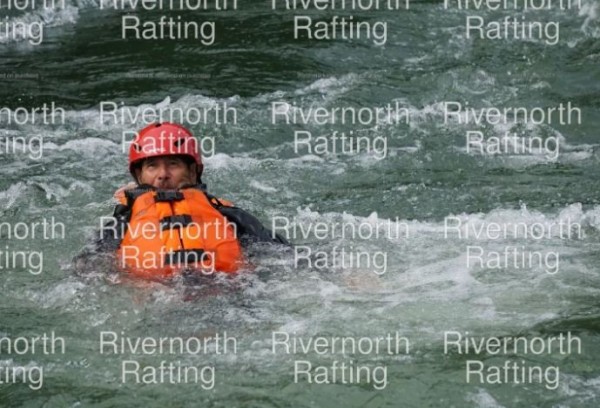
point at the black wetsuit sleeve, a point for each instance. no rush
(97, 255)
(113, 231)
(249, 228)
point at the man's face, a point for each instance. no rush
(166, 172)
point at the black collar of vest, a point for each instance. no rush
(169, 195)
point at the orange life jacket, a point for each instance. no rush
(174, 230)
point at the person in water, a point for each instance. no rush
(166, 222)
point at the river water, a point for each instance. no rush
(426, 185)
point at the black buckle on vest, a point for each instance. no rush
(186, 256)
(168, 196)
(134, 193)
(175, 221)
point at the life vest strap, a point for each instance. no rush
(168, 196)
(185, 256)
(175, 221)
(134, 193)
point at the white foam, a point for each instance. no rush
(10, 196)
(572, 213)
(60, 295)
(225, 161)
(591, 11)
(483, 399)
(325, 89)
(262, 187)
(330, 86)
(49, 17)
(90, 146)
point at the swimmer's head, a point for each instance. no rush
(166, 156)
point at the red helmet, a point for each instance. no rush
(162, 139)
